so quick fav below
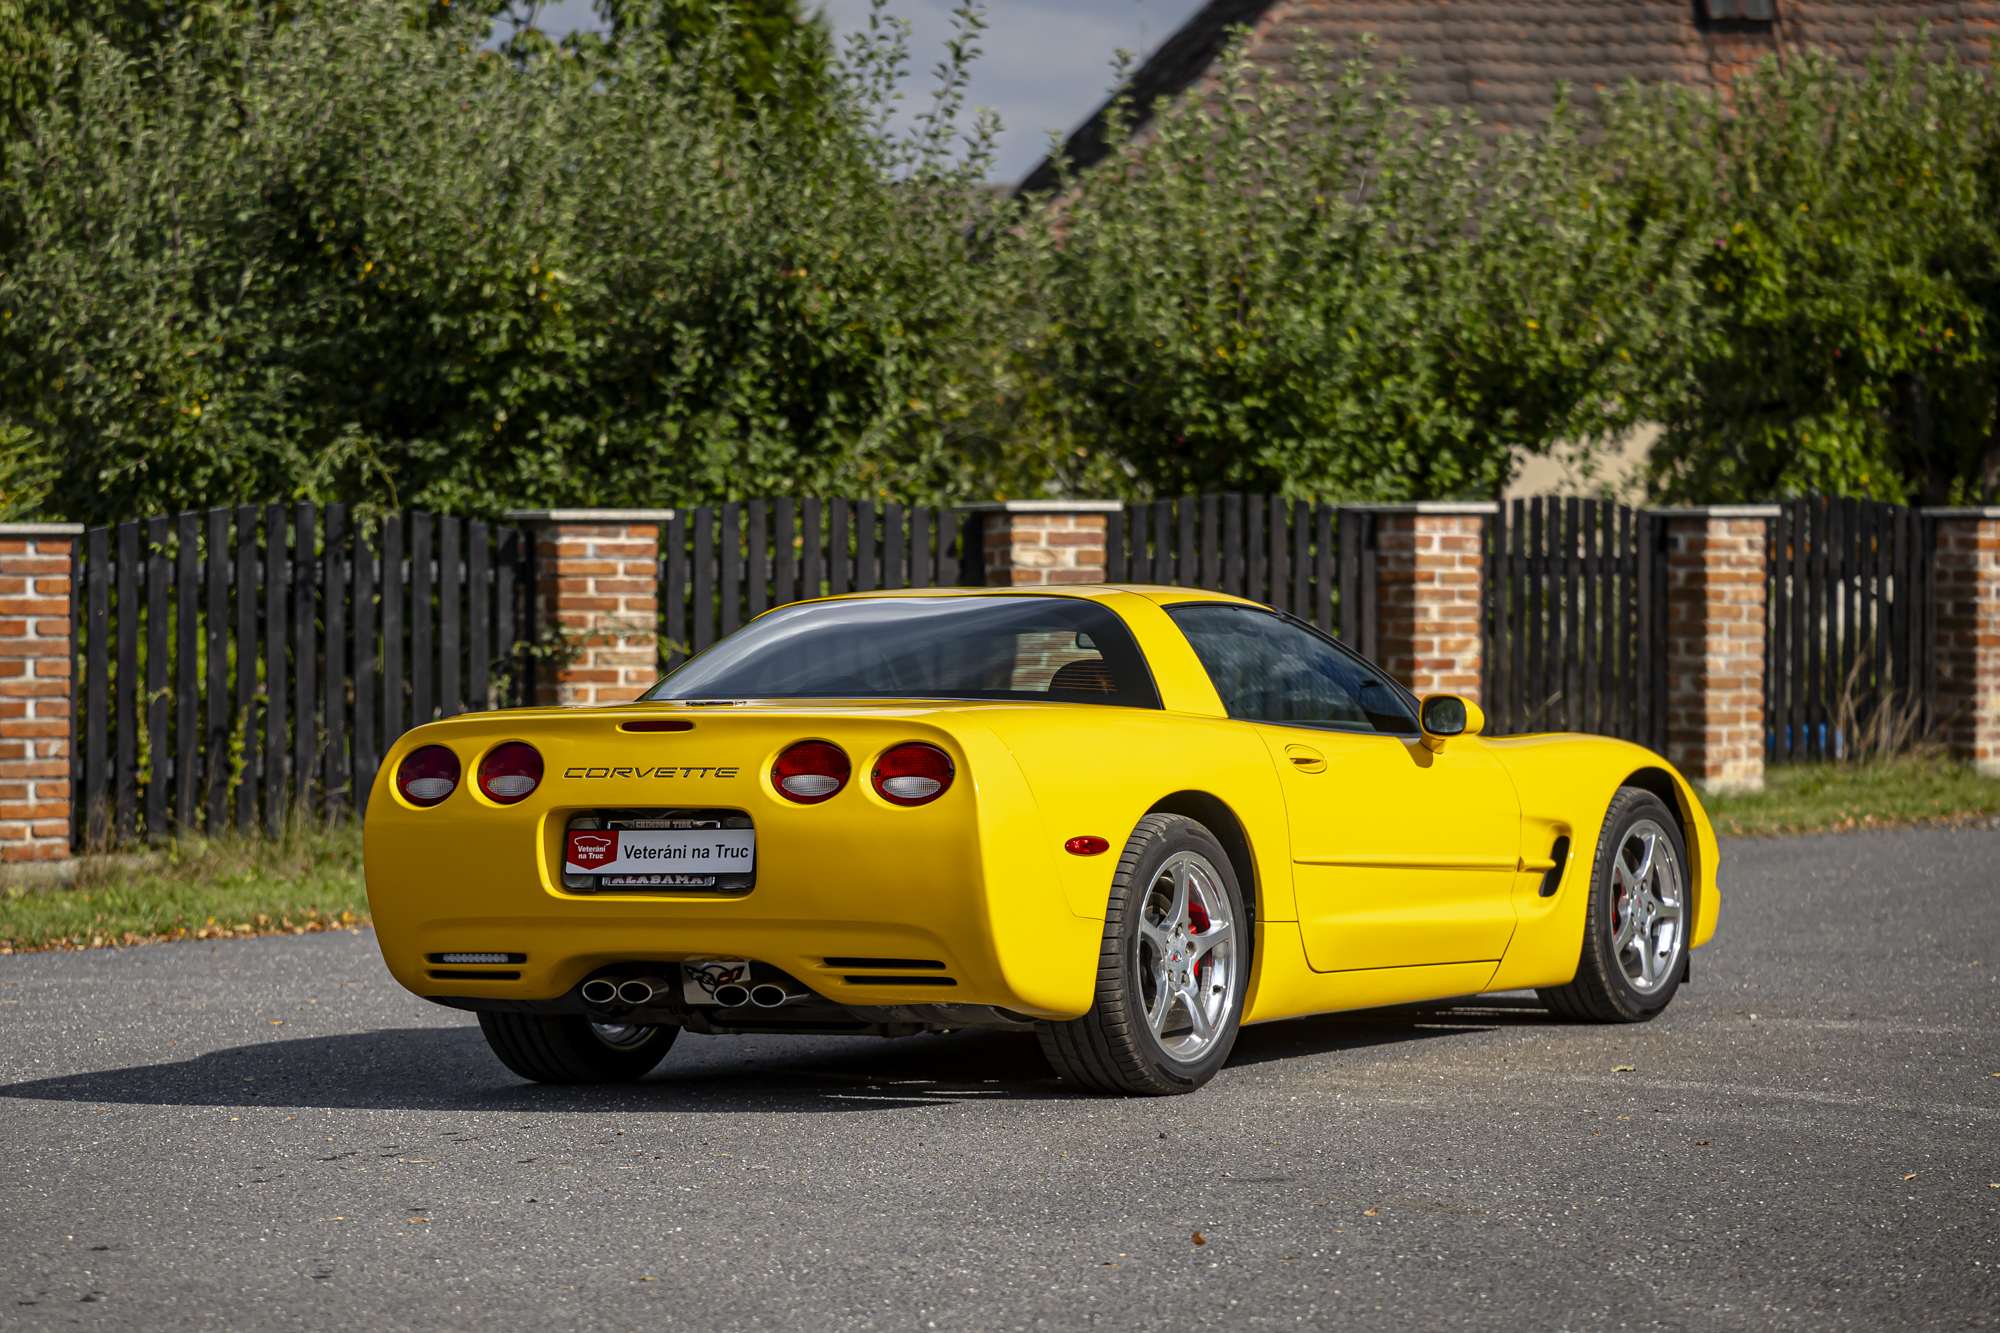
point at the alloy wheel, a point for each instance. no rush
(1648, 907)
(1187, 970)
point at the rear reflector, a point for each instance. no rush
(811, 772)
(913, 774)
(511, 772)
(427, 775)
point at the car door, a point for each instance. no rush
(1401, 856)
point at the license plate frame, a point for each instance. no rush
(654, 851)
(713, 876)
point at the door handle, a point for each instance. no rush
(1305, 759)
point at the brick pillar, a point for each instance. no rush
(1966, 585)
(1430, 578)
(597, 582)
(36, 712)
(1040, 542)
(1716, 584)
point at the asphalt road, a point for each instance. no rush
(270, 1134)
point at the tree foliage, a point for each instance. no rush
(407, 269)
(1843, 333)
(1309, 285)
(346, 250)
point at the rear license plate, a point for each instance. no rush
(687, 855)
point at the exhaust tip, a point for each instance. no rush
(768, 996)
(636, 992)
(732, 996)
(599, 991)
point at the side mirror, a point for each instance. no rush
(1443, 716)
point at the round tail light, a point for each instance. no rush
(913, 774)
(427, 775)
(811, 772)
(510, 772)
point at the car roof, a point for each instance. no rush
(1160, 593)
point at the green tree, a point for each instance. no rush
(369, 258)
(1308, 285)
(1846, 297)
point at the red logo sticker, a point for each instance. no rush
(593, 849)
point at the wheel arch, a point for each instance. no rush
(1662, 784)
(1213, 813)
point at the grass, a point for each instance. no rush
(1887, 793)
(226, 888)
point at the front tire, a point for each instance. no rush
(1640, 911)
(564, 1048)
(1172, 972)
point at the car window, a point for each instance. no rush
(1268, 669)
(993, 647)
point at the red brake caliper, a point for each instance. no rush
(1198, 919)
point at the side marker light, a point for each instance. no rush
(1086, 846)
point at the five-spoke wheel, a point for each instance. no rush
(1187, 956)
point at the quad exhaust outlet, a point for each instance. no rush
(607, 992)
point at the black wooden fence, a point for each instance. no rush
(1849, 659)
(722, 565)
(1316, 561)
(1576, 620)
(239, 666)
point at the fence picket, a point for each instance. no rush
(335, 671)
(124, 691)
(246, 665)
(478, 616)
(215, 750)
(366, 735)
(186, 761)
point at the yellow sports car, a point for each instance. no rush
(1128, 819)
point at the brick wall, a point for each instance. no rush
(1030, 543)
(597, 578)
(1430, 579)
(35, 673)
(1715, 644)
(1967, 574)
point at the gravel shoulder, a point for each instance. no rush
(271, 1134)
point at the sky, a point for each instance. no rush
(1047, 63)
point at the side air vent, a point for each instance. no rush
(1552, 878)
(457, 974)
(461, 959)
(891, 964)
(899, 981)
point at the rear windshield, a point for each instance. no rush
(1049, 648)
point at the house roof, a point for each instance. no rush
(1502, 58)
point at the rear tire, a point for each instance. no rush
(564, 1048)
(1636, 923)
(1171, 973)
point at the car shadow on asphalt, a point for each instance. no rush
(1363, 1029)
(449, 1068)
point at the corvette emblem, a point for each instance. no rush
(663, 771)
